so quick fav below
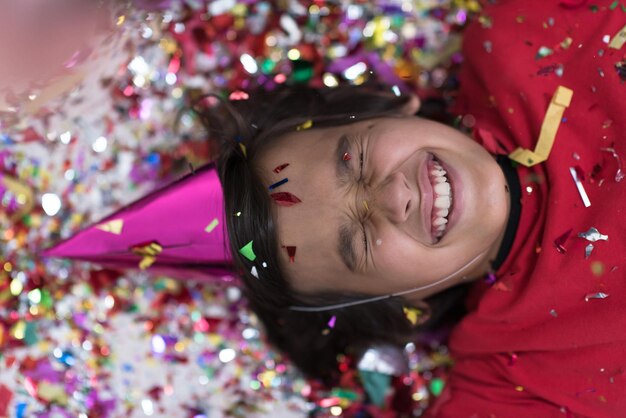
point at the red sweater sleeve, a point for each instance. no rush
(545, 340)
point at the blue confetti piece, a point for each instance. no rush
(279, 183)
(20, 410)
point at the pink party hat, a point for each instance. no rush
(177, 231)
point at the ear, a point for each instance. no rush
(412, 106)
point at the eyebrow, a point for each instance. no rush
(346, 233)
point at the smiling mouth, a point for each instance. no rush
(442, 198)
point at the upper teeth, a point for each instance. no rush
(443, 198)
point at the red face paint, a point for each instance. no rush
(346, 156)
(280, 168)
(285, 199)
(291, 252)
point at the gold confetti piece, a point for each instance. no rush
(305, 125)
(24, 195)
(560, 101)
(619, 39)
(120, 20)
(114, 227)
(52, 393)
(243, 150)
(412, 314)
(148, 253)
(366, 206)
(210, 227)
(146, 262)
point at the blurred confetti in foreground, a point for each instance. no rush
(77, 340)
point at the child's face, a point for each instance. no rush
(377, 232)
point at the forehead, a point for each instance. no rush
(311, 225)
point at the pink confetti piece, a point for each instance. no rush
(580, 187)
(331, 322)
(238, 95)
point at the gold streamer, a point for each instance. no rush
(560, 101)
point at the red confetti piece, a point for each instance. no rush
(6, 395)
(560, 242)
(347, 156)
(280, 168)
(291, 252)
(572, 4)
(285, 199)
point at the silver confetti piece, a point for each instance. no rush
(593, 235)
(599, 295)
(588, 250)
(254, 272)
(580, 187)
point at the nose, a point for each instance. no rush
(395, 198)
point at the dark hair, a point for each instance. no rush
(244, 128)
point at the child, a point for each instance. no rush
(343, 207)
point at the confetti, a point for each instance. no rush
(291, 252)
(580, 187)
(278, 183)
(304, 126)
(543, 52)
(238, 95)
(346, 156)
(211, 226)
(599, 295)
(148, 252)
(248, 252)
(411, 314)
(243, 149)
(280, 168)
(285, 199)
(588, 250)
(560, 101)
(619, 174)
(254, 272)
(559, 242)
(332, 321)
(619, 39)
(593, 235)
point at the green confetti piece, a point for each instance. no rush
(345, 394)
(248, 252)
(302, 71)
(30, 334)
(210, 227)
(436, 386)
(377, 385)
(614, 5)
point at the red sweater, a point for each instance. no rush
(532, 345)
